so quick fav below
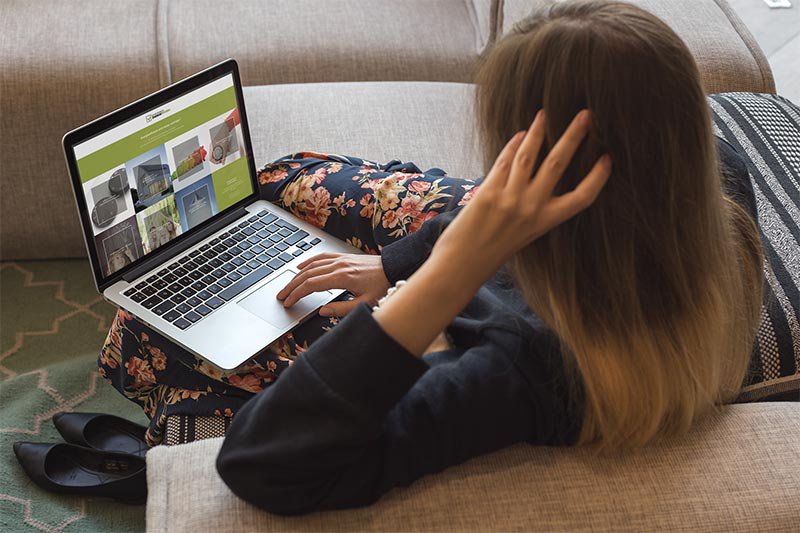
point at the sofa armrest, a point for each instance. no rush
(727, 54)
(737, 470)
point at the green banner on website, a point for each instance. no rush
(125, 149)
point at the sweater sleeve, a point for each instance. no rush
(404, 256)
(357, 415)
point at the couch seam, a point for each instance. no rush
(480, 44)
(162, 44)
(767, 78)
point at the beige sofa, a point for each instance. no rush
(380, 79)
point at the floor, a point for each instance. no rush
(778, 33)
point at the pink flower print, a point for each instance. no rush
(419, 186)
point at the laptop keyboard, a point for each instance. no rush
(199, 283)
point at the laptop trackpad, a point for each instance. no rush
(268, 308)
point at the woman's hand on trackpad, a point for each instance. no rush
(361, 275)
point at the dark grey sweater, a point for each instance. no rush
(357, 414)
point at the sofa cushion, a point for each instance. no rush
(428, 123)
(735, 471)
(728, 56)
(765, 130)
(294, 41)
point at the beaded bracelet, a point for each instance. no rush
(391, 291)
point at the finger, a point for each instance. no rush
(570, 204)
(302, 277)
(317, 257)
(315, 284)
(558, 159)
(339, 309)
(498, 175)
(527, 154)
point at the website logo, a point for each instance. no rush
(152, 116)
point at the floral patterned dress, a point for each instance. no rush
(361, 202)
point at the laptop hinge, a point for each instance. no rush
(184, 245)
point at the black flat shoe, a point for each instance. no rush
(74, 469)
(103, 432)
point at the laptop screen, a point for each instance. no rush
(159, 175)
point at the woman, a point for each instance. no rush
(611, 298)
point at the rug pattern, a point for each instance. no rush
(53, 323)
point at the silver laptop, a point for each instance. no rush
(167, 194)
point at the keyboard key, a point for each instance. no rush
(180, 271)
(296, 237)
(164, 293)
(203, 310)
(198, 285)
(220, 248)
(185, 281)
(189, 266)
(282, 246)
(170, 278)
(228, 267)
(275, 263)
(246, 282)
(303, 245)
(248, 231)
(256, 249)
(160, 284)
(194, 301)
(178, 298)
(254, 239)
(204, 295)
(225, 257)
(188, 292)
(263, 258)
(253, 264)
(239, 237)
(273, 252)
(129, 291)
(297, 253)
(243, 270)
(315, 241)
(224, 282)
(216, 262)
(149, 291)
(173, 266)
(162, 272)
(214, 241)
(285, 232)
(269, 217)
(235, 250)
(275, 237)
(285, 257)
(182, 323)
(200, 259)
(183, 259)
(257, 225)
(214, 302)
(197, 274)
(218, 273)
(172, 316)
(151, 279)
(183, 308)
(238, 261)
(229, 242)
(245, 245)
(287, 225)
(141, 285)
(209, 279)
(205, 247)
(263, 234)
(205, 269)
(163, 307)
(252, 218)
(191, 316)
(210, 254)
(233, 276)
(214, 288)
(247, 255)
(175, 287)
(224, 235)
(272, 228)
(242, 224)
(137, 297)
(151, 302)
(194, 253)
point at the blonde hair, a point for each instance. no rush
(654, 292)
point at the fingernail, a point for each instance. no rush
(586, 117)
(324, 311)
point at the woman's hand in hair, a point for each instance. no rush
(362, 275)
(509, 211)
(515, 205)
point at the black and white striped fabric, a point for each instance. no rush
(765, 130)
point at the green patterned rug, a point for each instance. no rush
(52, 323)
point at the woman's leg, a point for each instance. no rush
(358, 201)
